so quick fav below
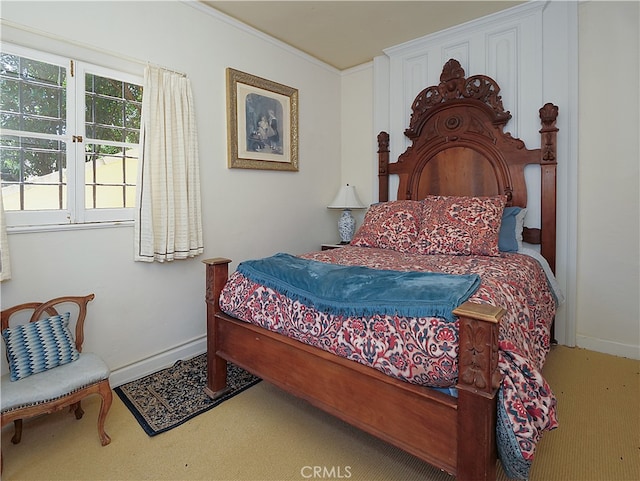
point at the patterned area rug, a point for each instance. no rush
(168, 398)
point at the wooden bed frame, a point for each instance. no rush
(458, 148)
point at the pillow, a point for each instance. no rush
(461, 225)
(390, 225)
(510, 235)
(38, 346)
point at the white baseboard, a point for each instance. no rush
(608, 347)
(158, 361)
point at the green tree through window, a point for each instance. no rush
(69, 140)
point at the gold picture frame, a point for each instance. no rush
(262, 123)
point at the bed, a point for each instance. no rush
(464, 387)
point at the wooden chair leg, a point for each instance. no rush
(105, 405)
(17, 435)
(77, 410)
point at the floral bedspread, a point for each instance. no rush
(424, 350)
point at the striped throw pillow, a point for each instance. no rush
(38, 346)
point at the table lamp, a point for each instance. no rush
(346, 199)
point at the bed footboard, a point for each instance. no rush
(478, 383)
(456, 435)
(217, 273)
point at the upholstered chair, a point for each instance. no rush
(48, 370)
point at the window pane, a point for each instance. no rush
(42, 72)
(10, 159)
(110, 174)
(42, 197)
(43, 125)
(30, 159)
(105, 86)
(10, 65)
(112, 110)
(42, 100)
(112, 113)
(132, 136)
(132, 116)
(33, 173)
(108, 133)
(133, 93)
(106, 197)
(108, 112)
(9, 95)
(130, 196)
(32, 95)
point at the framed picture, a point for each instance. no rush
(262, 123)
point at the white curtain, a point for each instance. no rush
(5, 264)
(168, 216)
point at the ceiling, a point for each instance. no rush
(349, 33)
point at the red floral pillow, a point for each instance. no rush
(391, 225)
(461, 225)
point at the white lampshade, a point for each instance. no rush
(347, 198)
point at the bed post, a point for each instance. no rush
(478, 383)
(548, 166)
(383, 166)
(216, 278)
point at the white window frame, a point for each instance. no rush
(76, 214)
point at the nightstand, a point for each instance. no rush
(326, 247)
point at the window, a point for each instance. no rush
(69, 140)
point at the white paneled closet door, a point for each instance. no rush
(531, 51)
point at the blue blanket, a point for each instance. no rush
(361, 291)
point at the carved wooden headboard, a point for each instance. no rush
(459, 147)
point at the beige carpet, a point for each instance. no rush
(265, 434)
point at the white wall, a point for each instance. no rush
(157, 311)
(607, 290)
(359, 145)
(609, 170)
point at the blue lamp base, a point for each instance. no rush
(346, 226)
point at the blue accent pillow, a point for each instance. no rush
(38, 346)
(507, 236)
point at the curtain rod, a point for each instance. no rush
(149, 64)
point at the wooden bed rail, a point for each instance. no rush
(471, 417)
